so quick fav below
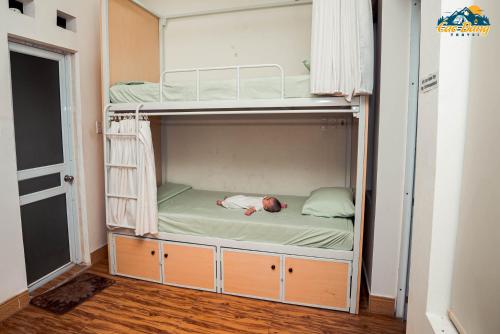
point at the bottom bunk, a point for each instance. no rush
(184, 210)
(286, 257)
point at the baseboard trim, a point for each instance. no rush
(381, 305)
(454, 320)
(13, 305)
(99, 254)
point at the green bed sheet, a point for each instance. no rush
(194, 212)
(254, 88)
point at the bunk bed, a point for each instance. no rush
(290, 258)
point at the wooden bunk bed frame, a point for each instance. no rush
(332, 278)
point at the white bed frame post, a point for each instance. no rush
(359, 212)
(162, 22)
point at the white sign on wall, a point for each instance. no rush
(429, 82)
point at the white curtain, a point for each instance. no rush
(342, 48)
(147, 209)
(140, 213)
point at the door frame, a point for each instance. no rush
(411, 130)
(69, 153)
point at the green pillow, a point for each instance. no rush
(329, 202)
(168, 190)
(307, 65)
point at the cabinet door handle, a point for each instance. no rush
(273, 267)
(290, 270)
(165, 255)
(153, 252)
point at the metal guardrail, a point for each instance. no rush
(238, 77)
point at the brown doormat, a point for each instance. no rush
(65, 297)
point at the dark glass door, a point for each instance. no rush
(42, 137)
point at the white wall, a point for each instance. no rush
(475, 300)
(384, 226)
(440, 149)
(285, 156)
(42, 29)
(13, 278)
(89, 56)
(279, 35)
(424, 173)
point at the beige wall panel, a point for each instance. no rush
(133, 43)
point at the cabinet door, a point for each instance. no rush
(189, 265)
(251, 274)
(317, 282)
(137, 257)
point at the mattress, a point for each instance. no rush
(194, 212)
(254, 88)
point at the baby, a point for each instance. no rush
(252, 204)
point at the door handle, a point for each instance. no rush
(69, 179)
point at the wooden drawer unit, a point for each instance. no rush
(316, 282)
(251, 274)
(137, 257)
(189, 265)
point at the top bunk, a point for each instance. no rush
(134, 75)
(261, 94)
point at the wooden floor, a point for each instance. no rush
(133, 306)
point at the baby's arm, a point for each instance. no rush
(224, 203)
(249, 211)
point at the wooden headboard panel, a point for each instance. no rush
(134, 54)
(134, 50)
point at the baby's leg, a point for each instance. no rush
(232, 202)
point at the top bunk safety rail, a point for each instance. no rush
(239, 104)
(221, 68)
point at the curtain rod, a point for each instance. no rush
(239, 9)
